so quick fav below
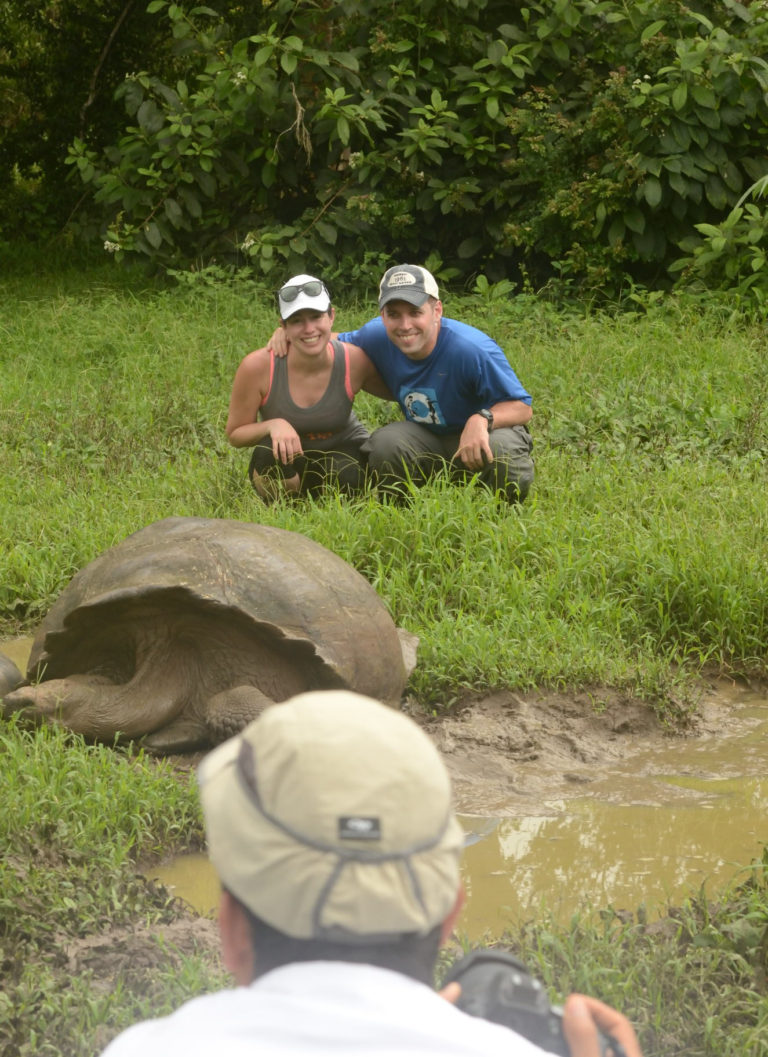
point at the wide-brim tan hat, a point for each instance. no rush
(330, 817)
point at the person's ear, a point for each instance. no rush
(453, 915)
(331, 313)
(237, 952)
(438, 309)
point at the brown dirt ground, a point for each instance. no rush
(507, 746)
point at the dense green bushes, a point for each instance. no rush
(580, 140)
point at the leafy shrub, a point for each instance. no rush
(581, 141)
(731, 255)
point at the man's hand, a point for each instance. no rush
(474, 450)
(582, 1016)
(278, 344)
(285, 441)
(451, 992)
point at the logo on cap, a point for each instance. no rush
(402, 279)
(358, 827)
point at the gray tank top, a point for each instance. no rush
(331, 413)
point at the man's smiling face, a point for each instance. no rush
(414, 330)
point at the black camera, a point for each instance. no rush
(497, 987)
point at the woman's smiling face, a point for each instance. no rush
(309, 331)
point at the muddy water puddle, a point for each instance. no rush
(18, 650)
(562, 813)
(645, 830)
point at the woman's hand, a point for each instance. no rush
(285, 440)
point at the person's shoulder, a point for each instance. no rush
(465, 331)
(370, 327)
(469, 343)
(196, 1021)
(256, 361)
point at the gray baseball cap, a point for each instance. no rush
(407, 282)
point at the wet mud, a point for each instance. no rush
(568, 809)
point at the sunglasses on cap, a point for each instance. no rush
(312, 289)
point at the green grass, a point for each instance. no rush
(694, 983)
(76, 822)
(638, 562)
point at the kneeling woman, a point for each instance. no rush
(296, 411)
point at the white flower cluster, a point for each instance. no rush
(637, 82)
(247, 242)
(240, 77)
(112, 247)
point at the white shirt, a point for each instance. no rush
(322, 1009)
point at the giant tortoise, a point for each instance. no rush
(182, 633)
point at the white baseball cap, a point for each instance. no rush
(303, 291)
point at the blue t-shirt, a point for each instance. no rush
(466, 371)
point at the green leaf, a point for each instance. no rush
(263, 55)
(702, 19)
(153, 236)
(327, 232)
(492, 106)
(645, 244)
(469, 247)
(149, 117)
(652, 29)
(289, 62)
(561, 51)
(206, 182)
(634, 219)
(679, 184)
(680, 95)
(191, 201)
(173, 211)
(715, 192)
(616, 231)
(704, 96)
(652, 191)
(342, 130)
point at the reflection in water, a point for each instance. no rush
(606, 854)
(602, 854)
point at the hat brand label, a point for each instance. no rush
(401, 279)
(359, 827)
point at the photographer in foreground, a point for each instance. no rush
(329, 822)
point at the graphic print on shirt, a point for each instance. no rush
(421, 405)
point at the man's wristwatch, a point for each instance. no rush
(488, 416)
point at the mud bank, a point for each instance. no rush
(505, 750)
